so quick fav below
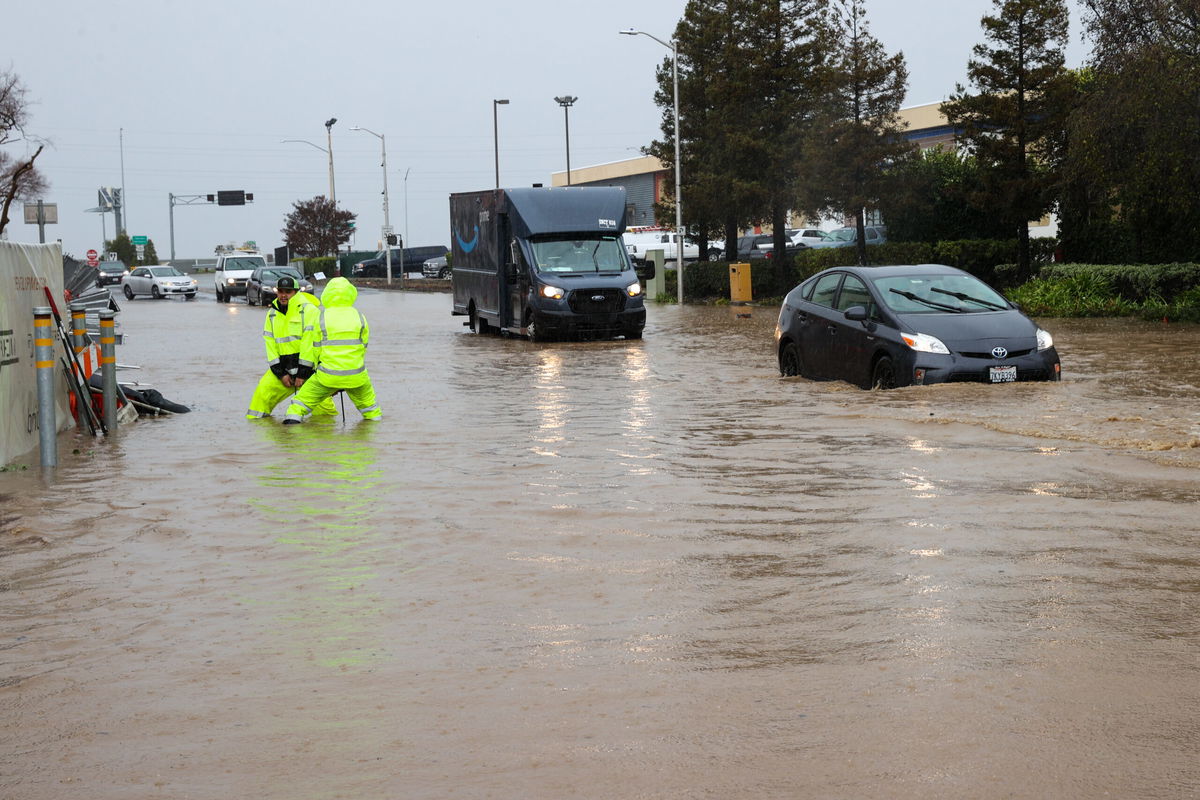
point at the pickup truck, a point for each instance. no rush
(637, 243)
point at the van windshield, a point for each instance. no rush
(245, 263)
(597, 254)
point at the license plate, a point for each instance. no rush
(1002, 374)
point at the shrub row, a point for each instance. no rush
(1150, 291)
(982, 258)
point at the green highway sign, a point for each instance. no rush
(142, 240)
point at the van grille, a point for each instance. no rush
(597, 301)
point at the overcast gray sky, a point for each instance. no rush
(205, 92)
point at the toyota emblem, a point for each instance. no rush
(999, 352)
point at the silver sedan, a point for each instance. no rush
(158, 282)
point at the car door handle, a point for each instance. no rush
(832, 330)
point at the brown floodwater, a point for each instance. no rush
(648, 569)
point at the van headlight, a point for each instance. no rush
(1044, 339)
(553, 292)
(924, 343)
(634, 289)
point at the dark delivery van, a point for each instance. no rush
(545, 263)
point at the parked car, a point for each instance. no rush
(437, 267)
(846, 237)
(158, 282)
(260, 286)
(748, 246)
(790, 250)
(883, 327)
(110, 272)
(809, 236)
(404, 260)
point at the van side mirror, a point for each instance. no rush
(645, 270)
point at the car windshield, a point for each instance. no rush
(842, 235)
(273, 275)
(164, 272)
(599, 254)
(243, 263)
(937, 294)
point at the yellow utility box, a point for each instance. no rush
(739, 283)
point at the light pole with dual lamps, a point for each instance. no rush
(678, 200)
(387, 222)
(496, 136)
(566, 101)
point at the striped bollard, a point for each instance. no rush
(43, 340)
(79, 343)
(108, 367)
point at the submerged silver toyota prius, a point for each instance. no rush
(883, 327)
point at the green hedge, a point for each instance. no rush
(1150, 291)
(983, 258)
(1137, 282)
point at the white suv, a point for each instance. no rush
(232, 271)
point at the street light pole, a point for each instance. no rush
(496, 136)
(406, 203)
(387, 222)
(566, 101)
(329, 138)
(678, 199)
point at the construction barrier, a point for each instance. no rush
(25, 271)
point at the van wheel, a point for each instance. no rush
(789, 360)
(884, 375)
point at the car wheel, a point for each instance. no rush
(884, 374)
(155, 293)
(250, 300)
(444, 273)
(715, 255)
(128, 292)
(635, 333)
(220, 296)
(790, 364)
(191, 296)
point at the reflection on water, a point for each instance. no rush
(612, 569)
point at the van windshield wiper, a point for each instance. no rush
(968, 298)
(926, 301)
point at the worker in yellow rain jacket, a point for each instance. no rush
(287, 317)
(336, 349)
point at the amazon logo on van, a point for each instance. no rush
(468, 246)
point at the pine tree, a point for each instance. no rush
(863, 135)
(1014, 120)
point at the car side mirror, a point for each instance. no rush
(856, 314)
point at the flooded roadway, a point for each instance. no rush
(649, 569)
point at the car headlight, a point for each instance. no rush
(230, 281)
(1044, 339)
(194, 282)
(633, 289)
(924, 343)
(553, 292)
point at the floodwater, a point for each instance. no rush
(646, 569)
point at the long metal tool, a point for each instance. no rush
(83, 395)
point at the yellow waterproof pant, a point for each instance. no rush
(315, 392)
(270, 392)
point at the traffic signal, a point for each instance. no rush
(235, 197)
